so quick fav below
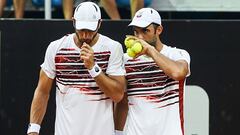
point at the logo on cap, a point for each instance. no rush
(138, 16)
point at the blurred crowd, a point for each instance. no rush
(110, 6)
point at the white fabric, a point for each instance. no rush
(81, 107)
(118, 132)
(145, 17)
(87, 15)
(93, 72)
(154, 99)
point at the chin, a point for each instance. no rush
(152, 44)
(86, 41)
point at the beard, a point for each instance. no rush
(86, 40)
(81, 40)
(153, 41)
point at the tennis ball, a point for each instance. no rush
(129, 42)
(137, 47)
(130, 52)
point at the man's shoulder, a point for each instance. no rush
(173, 49)
(107, 39)
(59, 43)
(63, 38)
(175, 53)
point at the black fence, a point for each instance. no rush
(213, 46)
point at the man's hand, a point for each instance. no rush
(87, 55)
(145, 45)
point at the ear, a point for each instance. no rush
(159, 29)
(74, 22)
(99, 23)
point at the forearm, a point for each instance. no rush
(135, 6)
(174, 69)
(113, 88)
(120, 113)
(67, 9)
(38, 107)
(111, 9)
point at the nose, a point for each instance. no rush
(85, 34)
(139, 35)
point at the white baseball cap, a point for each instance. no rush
(145, 17)
(87, 16)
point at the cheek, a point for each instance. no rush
(149, 38)
(90, 35)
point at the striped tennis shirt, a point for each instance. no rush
(155, 100)
(81, 107)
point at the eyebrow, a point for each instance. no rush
(146, 28)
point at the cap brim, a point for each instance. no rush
(86, 25)
(139, 23)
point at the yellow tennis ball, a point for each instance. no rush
(137, 47)
(129, 42)
(130, 52)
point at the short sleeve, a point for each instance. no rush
(116, 65)
(48, 66)
(180, 54)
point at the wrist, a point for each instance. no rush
(95, 71)
(33, 128)
(118, 132)
(151, 50)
